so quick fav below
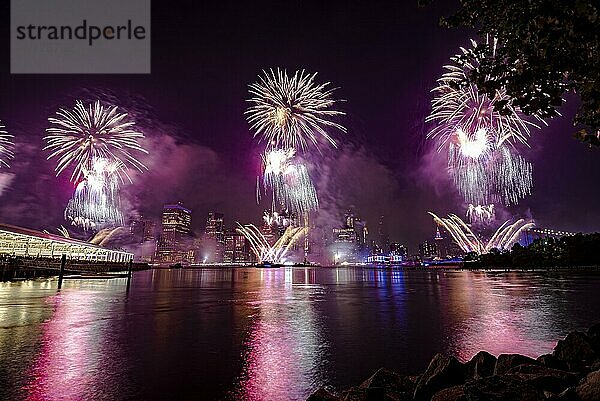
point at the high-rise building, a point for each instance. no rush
(398, 249)
(214, 237)
(237, 248)
(175, 242)
(427, 250)
(383, 238)
(445, 246)
(148, 240)
(148, 230)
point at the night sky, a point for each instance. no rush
(383, 55)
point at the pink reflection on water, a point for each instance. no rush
(496, 315)
(285, 349)
(62, 370)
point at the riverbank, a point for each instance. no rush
(15, 268)
(570, 373)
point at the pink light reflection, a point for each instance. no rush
(62, 370)
(285, 348)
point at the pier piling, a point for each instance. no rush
(129, 273)
(63, 262)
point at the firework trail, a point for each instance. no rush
(6, 146)
(479, 140)
(83, 134)
(271, 253)
(96, 200)
(503, 239)
(290, 184)
(292, 111)
(504, 177)
(104, 236)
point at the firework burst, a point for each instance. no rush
(6, 146)
(503, 238)
(292, 111)
(83, 134)
(459, 106)
(479, 140)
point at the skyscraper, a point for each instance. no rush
(214, 237)
(175, 242)
(237, 248)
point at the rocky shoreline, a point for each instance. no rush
(570, 373)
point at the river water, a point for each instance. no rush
(257, 334)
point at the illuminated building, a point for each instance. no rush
(344, 245)
(383, 239)
(174, 244)
(427, 250)
(214, 232)
(19, 241)
(148, 230)
(398, 249)
(345, 240)
(270, 233)
(147, 240)
(237, 248)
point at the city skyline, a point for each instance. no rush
(201, 140)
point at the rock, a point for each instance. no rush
(365, 394)
(322, 395)
(455, 393)
(544, 378)
(502, 388)
(575, 347)
(551, 361)
(593, 334)
(568, 395)
(508, 361)
(481, 365)
(442, 372)
(588, 388)
(395, 386)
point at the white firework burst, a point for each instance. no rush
(480, 140)
(292, 111)
(7, 147)
(83, 134)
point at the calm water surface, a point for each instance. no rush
(251, 334)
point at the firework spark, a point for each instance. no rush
(104, 236)
(480, 213)
(96, 201)
(292, 111)
(271, 253)
(504, 178)
(503, 239)
(289, 182)
(6, 146)
(83, 134)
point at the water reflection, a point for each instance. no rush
(285, 354)
(258, 334)
(501, 313)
